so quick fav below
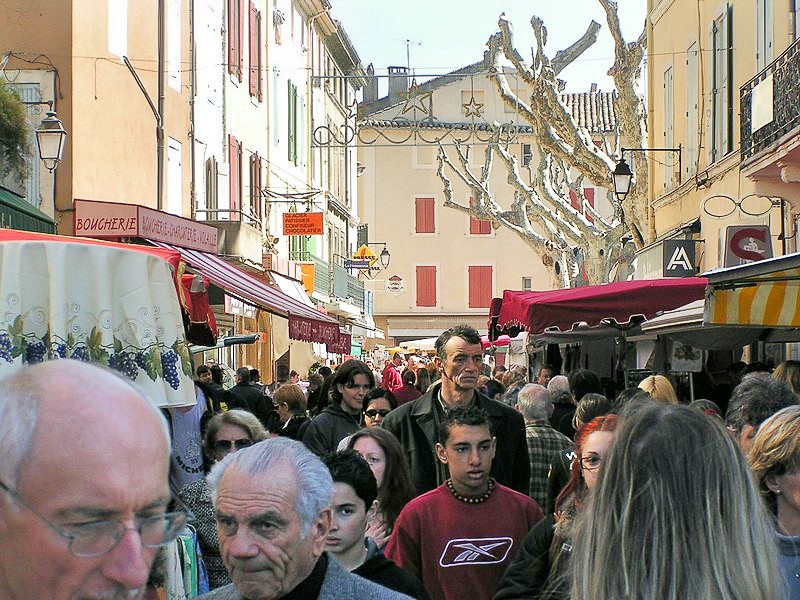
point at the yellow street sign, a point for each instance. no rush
(365, 253)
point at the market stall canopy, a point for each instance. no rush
(429, 344)
(305, 323)
(763, 293)
(111, 304)
(619, 304)
(685, 324)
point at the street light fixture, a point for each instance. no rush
(385, 257)
(622, 175)
(50, 138)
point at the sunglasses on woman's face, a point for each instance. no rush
(372, 412)
(232, 445)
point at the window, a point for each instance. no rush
(276, 110)
(692, 111)
(479, 226)
(174, 178)
(254, 56)
(480, 286)
(425, 215)
(118, 27)
(722, 93)
(580, 205)
(212, 171)
(255, 188)
(292, 116)
(669, 126)
(426, 285)
(527, 155)
(235, 161)
(174, 44)
(527, 284)
(764, 23)
(235, 37)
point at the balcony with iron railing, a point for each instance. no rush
(770, 116)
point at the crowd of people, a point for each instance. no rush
(437, 479)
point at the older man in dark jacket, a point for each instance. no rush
(416, 423)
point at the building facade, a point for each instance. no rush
(447, 266)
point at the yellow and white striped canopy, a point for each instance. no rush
(764, 293)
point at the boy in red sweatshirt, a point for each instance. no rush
(460, 537)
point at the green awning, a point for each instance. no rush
(16, 213)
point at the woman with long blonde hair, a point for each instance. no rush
(775, 460)
(675, 515)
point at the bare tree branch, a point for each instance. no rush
(565, 57)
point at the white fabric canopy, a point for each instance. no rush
(96, 303)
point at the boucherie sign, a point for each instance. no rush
(114, 220)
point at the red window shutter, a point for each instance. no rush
(240, 47)
(259, 74)
(575, 201)
(234, 171)
(588, 193)
(425, 220)
(231, 36)
(426, 286)
(253, 50)
(479, 226)
(480, 287)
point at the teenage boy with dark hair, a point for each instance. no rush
(460, 537)
(353, 503)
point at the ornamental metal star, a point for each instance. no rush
(473, 108)
(416, 100)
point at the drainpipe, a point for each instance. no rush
(192, 88)
(792, 21)
(162, 77)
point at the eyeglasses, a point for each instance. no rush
(591, 462)
(101, 537)
(232, 445)
(372, 413)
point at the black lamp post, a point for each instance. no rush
(622, 175)
(385, 257)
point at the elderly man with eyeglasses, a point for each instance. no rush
(83, 484)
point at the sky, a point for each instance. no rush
(445, 35)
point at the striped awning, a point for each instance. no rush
(763, 293)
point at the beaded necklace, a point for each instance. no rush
(471, 499)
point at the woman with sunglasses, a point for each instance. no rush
(541, 566)
(349, 385)
(226, 433)
(377, 404)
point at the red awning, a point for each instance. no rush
(305, 323)
(617, 302)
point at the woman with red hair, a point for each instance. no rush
(541, 566)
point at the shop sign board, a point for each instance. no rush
(746, 243)
(98, 219)
(306, 223)
(678, 258)
(395, 285)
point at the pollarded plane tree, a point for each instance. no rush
(579, 245)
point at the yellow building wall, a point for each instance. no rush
(674, 26)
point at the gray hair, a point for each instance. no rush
(314, 483)
(21, 397)
(558, 386)
(534, 402)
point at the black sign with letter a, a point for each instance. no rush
(679, 258)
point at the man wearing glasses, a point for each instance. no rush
(83, 484)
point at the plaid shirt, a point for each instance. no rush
(544, 443)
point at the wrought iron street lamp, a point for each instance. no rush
(50, 138)
(622, 175)
(385, 257)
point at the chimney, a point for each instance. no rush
(371, 89)
(398, 83)
(593, 89)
